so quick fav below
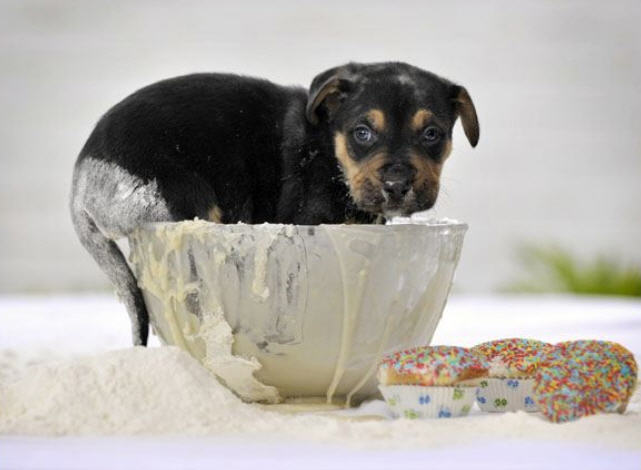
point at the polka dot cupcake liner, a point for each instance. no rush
(564, 381)
(421, 402)
(498, 395)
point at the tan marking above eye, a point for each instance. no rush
(420, 119)
(376, 118)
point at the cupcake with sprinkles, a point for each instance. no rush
(512, 364)
(581, 378)
(430, 381)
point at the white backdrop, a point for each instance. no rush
(557, 86)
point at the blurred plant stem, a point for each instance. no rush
(554, 269)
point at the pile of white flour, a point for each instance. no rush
(164, 391)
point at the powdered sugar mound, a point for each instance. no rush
(140, 390)
(163, 391)
(137, 390)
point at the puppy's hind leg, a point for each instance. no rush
(112, 262)
(107, 203)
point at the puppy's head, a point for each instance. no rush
(391, 124)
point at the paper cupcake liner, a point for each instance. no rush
(416, 401)
(497, 395)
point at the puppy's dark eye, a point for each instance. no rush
(364, 135)
(431, 135)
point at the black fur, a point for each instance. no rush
(240, 143)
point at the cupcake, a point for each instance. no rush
(512, 364)
(430, 381)
(581, 378)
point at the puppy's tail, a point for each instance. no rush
(112, 262)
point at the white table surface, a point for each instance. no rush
(64, 325)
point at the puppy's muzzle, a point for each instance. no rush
(397, 181)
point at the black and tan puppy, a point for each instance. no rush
(367, 141)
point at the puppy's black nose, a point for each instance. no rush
(396, 189)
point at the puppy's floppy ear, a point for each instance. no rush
(465, 110)
(327, 92)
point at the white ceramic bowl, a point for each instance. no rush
(315, 305)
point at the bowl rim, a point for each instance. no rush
(430, 225)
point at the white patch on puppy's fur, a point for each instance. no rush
(116, 200)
